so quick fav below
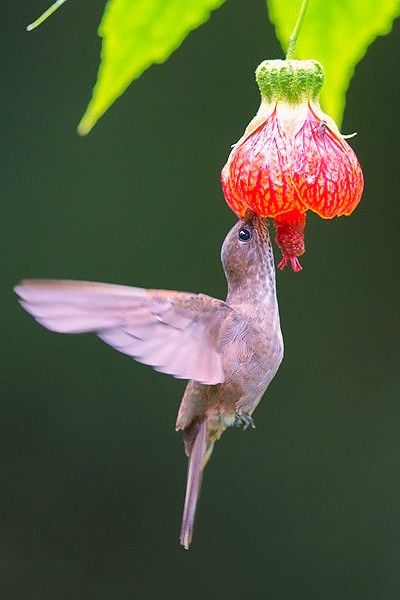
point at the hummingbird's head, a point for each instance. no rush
(246, 252)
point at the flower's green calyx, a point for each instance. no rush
(291, 81)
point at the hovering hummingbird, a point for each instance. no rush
(230, 351)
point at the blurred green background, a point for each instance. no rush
(304, 507)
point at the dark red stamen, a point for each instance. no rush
(294, 262)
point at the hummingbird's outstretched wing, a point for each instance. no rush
(174, 332)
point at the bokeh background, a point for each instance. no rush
(304, 507)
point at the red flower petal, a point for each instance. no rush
(258, 174)
(271, 173)
(325, 170)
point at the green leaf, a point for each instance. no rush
(337, 33)
(137, 34)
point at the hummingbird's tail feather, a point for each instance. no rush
(196, 448)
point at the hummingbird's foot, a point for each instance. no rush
(243, 418)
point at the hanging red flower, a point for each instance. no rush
(292, 157)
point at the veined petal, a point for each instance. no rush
(295, 159)
(266, 109)
(258, 173)
(326, 172)
(291, 117)
(234, 199)
(235, 202)
(324, 118)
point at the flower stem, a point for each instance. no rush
(45, 15)
(293, 38)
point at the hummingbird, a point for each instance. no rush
(228, 350)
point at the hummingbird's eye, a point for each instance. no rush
(244, 234)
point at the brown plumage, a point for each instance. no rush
(230, 351)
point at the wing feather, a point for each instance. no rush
(174, 332)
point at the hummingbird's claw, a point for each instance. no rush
(244, 419)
